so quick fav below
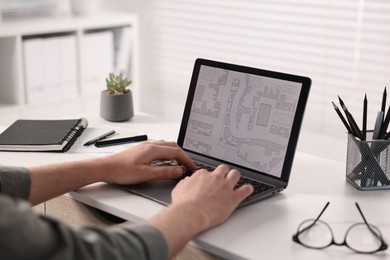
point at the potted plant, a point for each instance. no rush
(116, 102)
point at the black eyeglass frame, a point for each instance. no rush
(370, 227)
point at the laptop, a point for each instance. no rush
(247, 118)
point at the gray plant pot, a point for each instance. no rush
(116, 108)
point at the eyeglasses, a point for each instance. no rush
(360, 237)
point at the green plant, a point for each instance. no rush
(117, 84)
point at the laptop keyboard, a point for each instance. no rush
(258, 187)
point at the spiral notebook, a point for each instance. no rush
(42, 135)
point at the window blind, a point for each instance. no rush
(342, 45)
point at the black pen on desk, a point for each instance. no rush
(100, 137)
(342, 117)
(119, 141)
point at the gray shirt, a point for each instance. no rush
(25, 235)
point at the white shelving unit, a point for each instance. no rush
(13, 93)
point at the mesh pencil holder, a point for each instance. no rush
(368, 163)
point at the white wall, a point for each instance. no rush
(322, 132)
(149, 100)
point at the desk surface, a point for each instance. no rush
(259, 231)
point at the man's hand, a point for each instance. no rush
(128, 167)
(134, 165)
(199, 202)
(211, 193)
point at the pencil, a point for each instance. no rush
(364, 124)
(342, 117)
(385, 124)
(378, 125)
(386, 136)
(384, 96)
(354, 127)
(341, 101)
(353, 124)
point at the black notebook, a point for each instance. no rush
(42, 135)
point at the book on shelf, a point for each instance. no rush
(42, 135)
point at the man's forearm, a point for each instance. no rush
(179, 224)
(127, 167)
(51, 181)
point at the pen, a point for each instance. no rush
(101, 137)
(119, 141)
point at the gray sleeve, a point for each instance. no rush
(25, 235)
(15, 181)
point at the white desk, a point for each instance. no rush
(259, 231)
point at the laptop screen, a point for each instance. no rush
(244, 116)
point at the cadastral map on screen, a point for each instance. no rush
(250, 116)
